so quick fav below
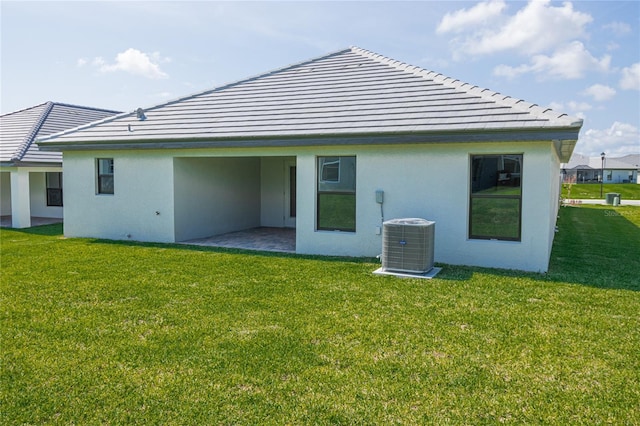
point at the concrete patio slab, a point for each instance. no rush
(262, 239)
(5, 221)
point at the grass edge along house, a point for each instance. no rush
(308, 146)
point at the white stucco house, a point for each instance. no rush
(309, 145)
(584, 169)
(31, 183)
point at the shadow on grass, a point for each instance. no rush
(47, 230)
(228, 250)
(597, 246)
(599, 274)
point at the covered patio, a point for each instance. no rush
(261, 238)
(5, 221)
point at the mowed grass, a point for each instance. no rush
(585, 191)
(99, 332)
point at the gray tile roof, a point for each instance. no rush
(582, 167)
(627, 162)
(351, 96)
(19, 129)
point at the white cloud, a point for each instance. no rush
(556, 106)
(164, 95)
(98, 61)
(619, 139)
(135, 62)
(432, 63)
(618, 28)
(578, 106)
(600, 92)
(612, 46)
(462, 19)
(535, 28)
(511, 72)
(570, 61)
(581, 115)
(631, 77)
(81, 62)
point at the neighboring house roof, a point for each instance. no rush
(581, 167)
(631, 159)
(627, 162)
(19, 129)
(576, 159)
(352, 96)
(616, 163)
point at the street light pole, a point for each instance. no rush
(601, 173)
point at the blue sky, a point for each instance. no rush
(581, 58)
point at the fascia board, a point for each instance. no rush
(324, 140)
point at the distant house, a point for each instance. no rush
(31, 181)
(584, 169)
(310, 146)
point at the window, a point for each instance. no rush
(54, 189)
(496, 197)
(336, 194)
(105, 175)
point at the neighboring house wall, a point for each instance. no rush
(38, 192)
(34, 200)
(582, 169)
(206, 192)
(5, 193)
(619, 176)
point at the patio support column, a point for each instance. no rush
(20, 199)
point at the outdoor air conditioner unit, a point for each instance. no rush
(407, 245)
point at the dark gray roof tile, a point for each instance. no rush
(19, 129)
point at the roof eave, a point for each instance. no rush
(20, 163)
(564, 148)
(567, 136)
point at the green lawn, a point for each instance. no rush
(627, 191)
(99, 332)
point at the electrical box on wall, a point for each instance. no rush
(379, 196)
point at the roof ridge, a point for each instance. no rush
(246, 79)
(484, 93)
(31, 134)
(24, 109)
(85, 126)
(85, 107)
(60, 104)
